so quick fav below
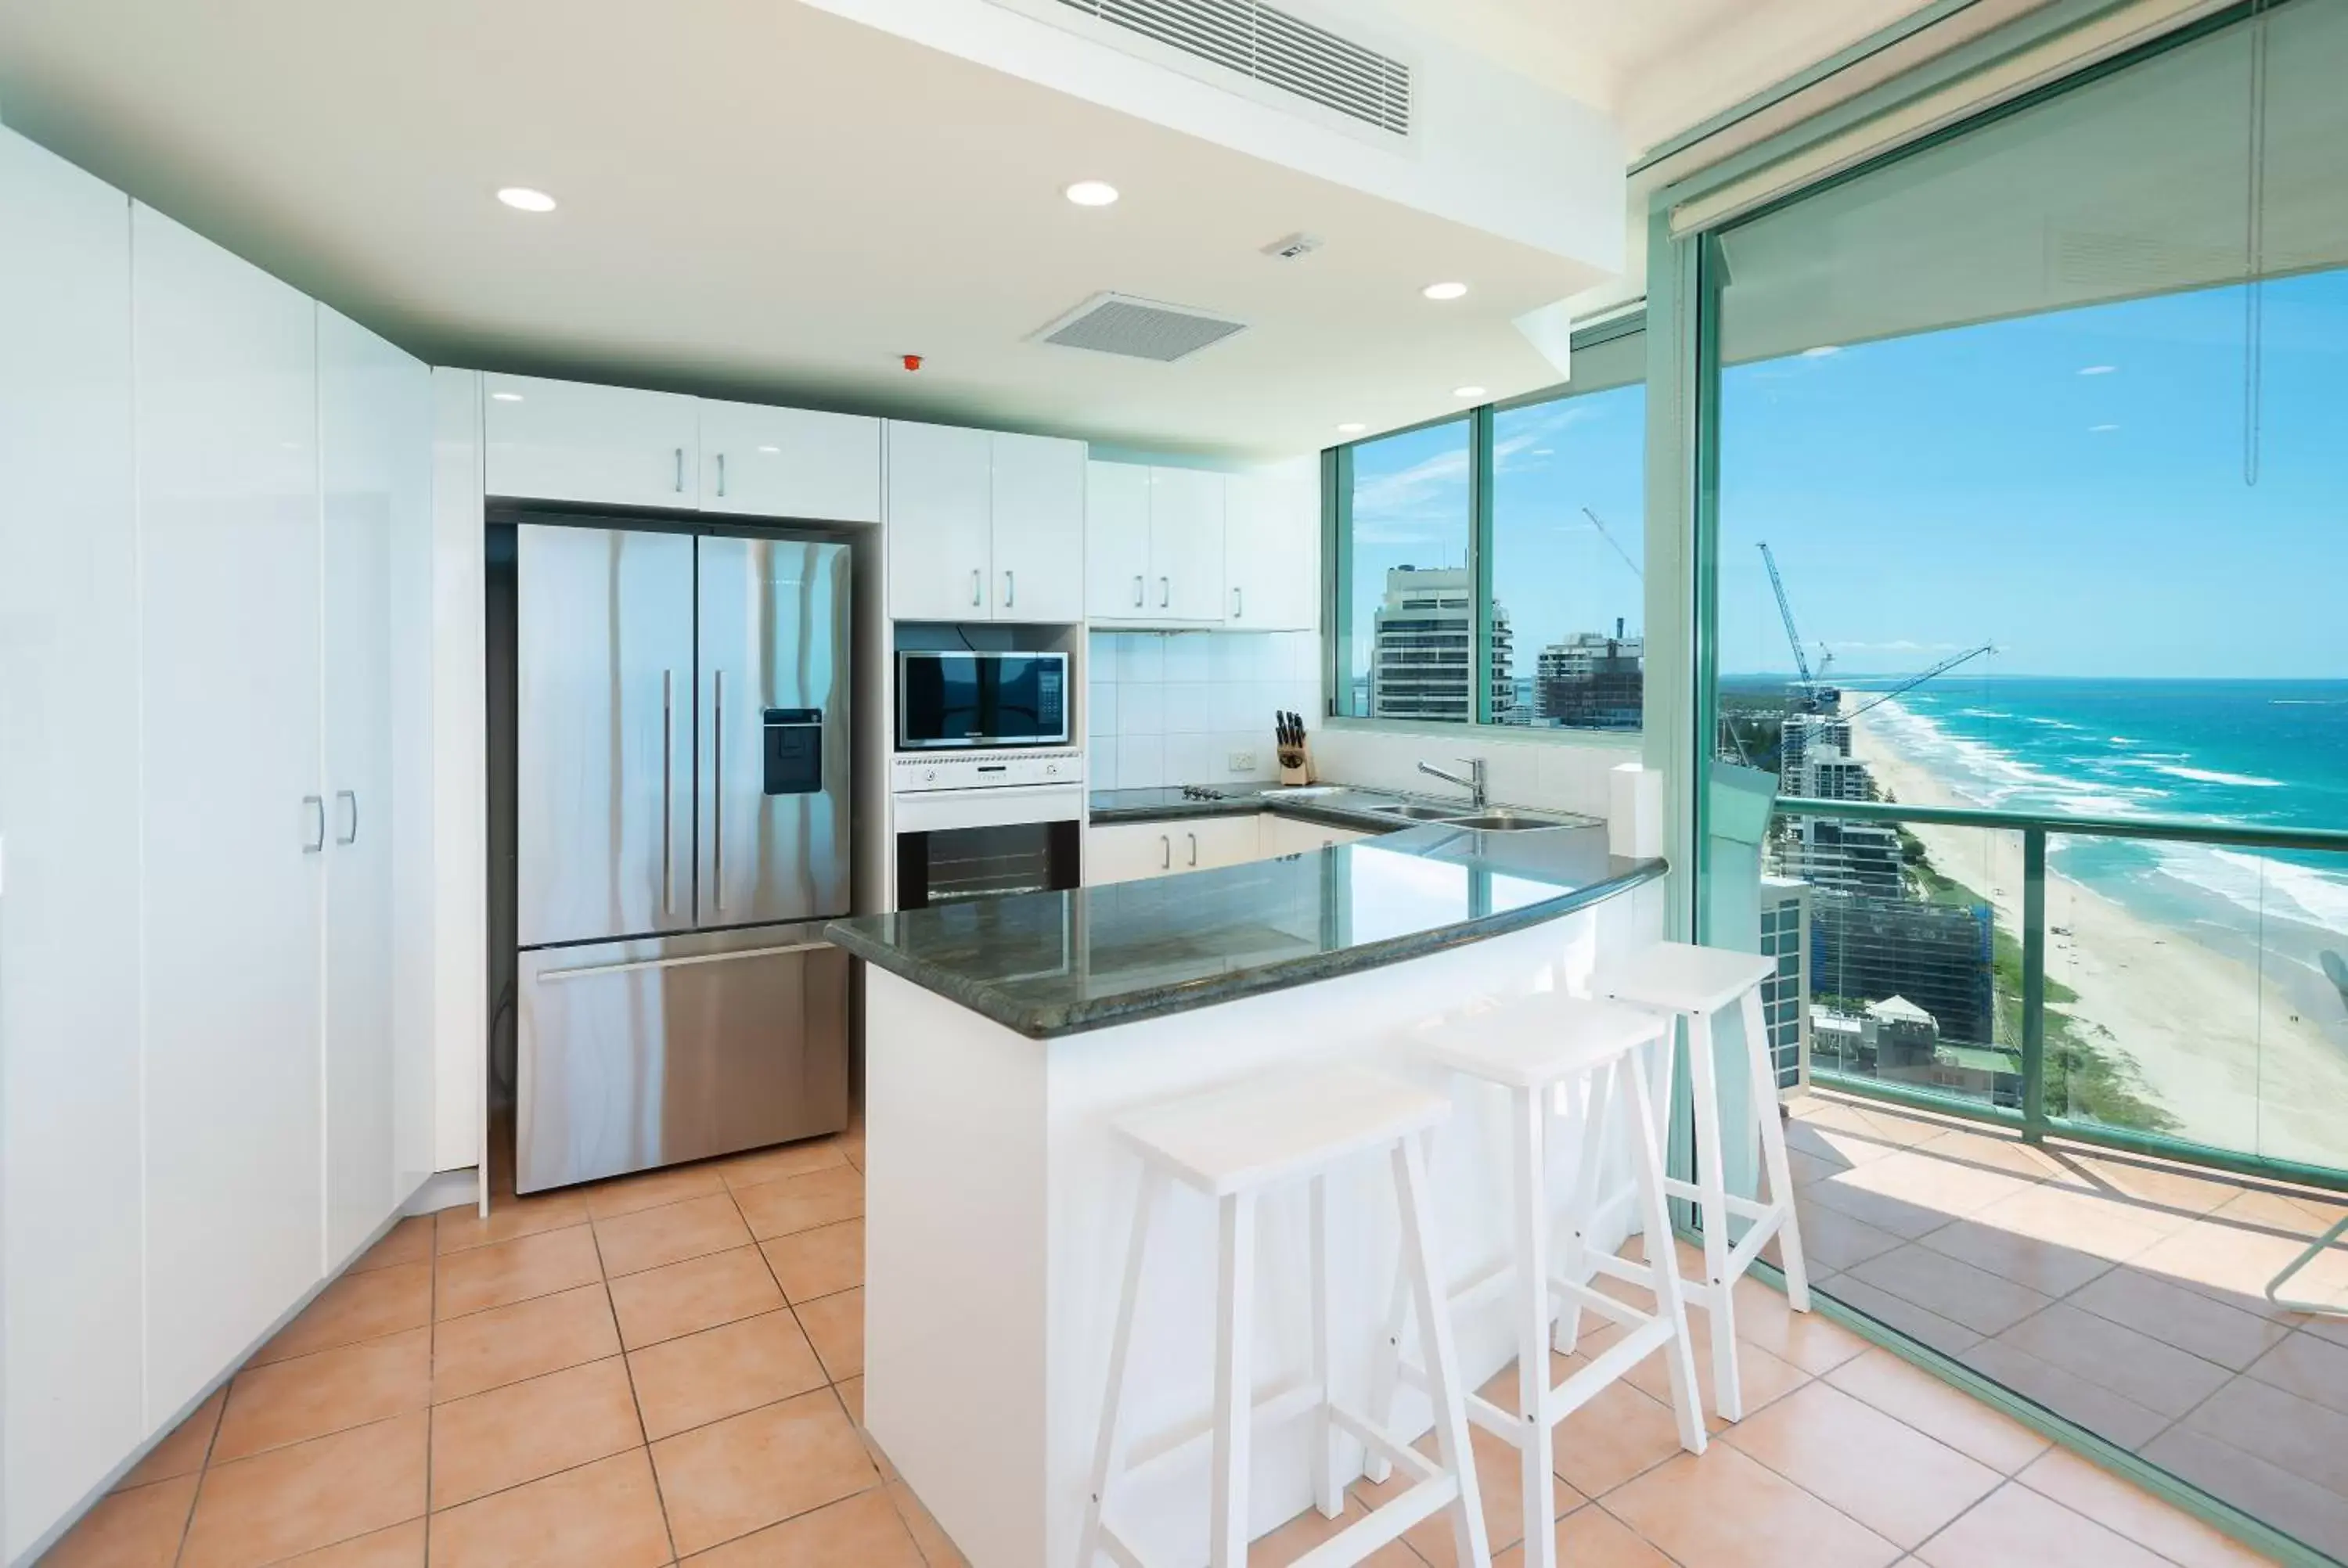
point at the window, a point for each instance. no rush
(1488, 569)
(1568, 495)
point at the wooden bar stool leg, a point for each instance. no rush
(1108, 1457)
(1719, 1301)
(1535, 1453)
(1773, 1153)
(1235, 1380)
(1327, 1495)
(1469, 1541)
(1654, 1212)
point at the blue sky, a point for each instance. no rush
(2069, 487)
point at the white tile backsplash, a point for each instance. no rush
(1172, 708)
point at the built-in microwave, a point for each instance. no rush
(958, 699)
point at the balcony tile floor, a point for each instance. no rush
(669, 1369)
(2125, 1293)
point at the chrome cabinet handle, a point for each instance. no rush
(975, 576)
(721, 475)
(351, 798)
(1235, 602)
(317, 841)
(1194, 847)
(1165, 852)
(1007, 587)
(717, 788)
(1136, 593)
(679, 963)
(1165, 592)
(680, 470)
(668, 815)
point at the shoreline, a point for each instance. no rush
(2201, 1037)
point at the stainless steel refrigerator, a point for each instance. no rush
(681, 822)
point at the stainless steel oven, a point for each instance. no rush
(963, 700)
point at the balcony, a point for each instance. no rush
(2073, 1148)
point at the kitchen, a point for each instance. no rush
(630, 764)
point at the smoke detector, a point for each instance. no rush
(1138, 329)
(1296, 245)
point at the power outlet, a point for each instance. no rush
(1240, 763)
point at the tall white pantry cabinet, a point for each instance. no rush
(214, 496)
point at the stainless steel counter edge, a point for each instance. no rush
(1052, 1022)
(1308, 810)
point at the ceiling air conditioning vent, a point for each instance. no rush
(1267, 44)
(1137, 329)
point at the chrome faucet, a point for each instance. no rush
(1473, 783)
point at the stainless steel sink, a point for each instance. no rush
(1417, 813)
(1508, 822)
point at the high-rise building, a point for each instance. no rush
(1593, 682)
(1422, 663)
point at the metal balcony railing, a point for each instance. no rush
(1918, 982)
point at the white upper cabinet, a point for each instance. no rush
(1154, 545)
(612, 446)
(766, 462)
(1186, 545)
(234, 841)
(1038, 503)
(1116, 540)
(984, 526)
(941, 522)
(1272, 549)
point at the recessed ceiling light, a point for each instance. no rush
(770, 449)
(1823, 351)
(1467, 392)
(505, 396)
(1352, 427)
(1091, 193)
(522, 199)
(1443, 291)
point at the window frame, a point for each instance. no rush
(1337, 551)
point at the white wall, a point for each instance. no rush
(1171, 708)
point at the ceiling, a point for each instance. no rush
(771, 201)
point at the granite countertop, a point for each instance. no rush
(1053, 964)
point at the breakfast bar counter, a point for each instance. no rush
(1004, 1035)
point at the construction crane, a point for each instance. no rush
(1813, 696)
(1608, 536)
(1912, 681)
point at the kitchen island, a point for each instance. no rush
(1004, 1035)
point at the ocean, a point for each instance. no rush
(2268, 752)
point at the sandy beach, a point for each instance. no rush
(2228, 1059)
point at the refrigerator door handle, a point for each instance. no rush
(717, 789)
(583, 970)
(668, 770)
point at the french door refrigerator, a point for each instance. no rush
(681, 824)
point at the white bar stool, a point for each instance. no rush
(1533, 1046)
(1234, 1145)
(1695, 983)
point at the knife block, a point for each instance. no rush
(1295, 764)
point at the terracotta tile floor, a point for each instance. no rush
(669, 1368)
(2123, 1292)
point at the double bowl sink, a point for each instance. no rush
(1483, 819)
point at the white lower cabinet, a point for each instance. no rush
(1293, 835)
(1128, 851)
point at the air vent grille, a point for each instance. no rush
(1137, 329)
(1267, 44)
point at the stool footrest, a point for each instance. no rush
(1607, 1367)
(1379, 1440)
(1387, 1522)
(1743, 1208)
(1285, 1403)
